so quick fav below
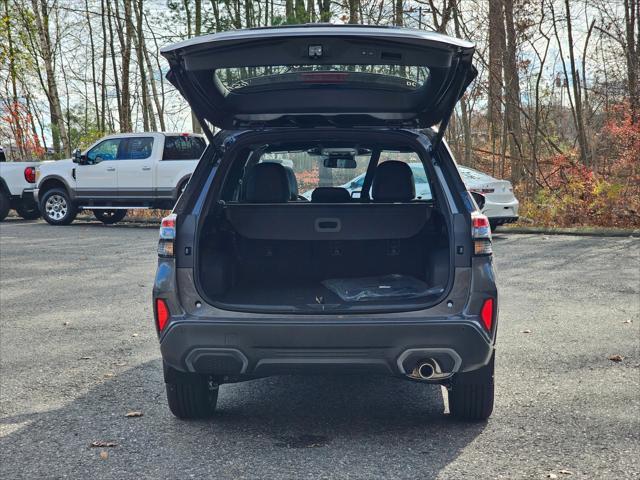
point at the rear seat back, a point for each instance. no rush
(267, 183)
(393, 182)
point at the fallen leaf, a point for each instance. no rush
(616, 358)
(134, 335)
(566, 472)
(101, 443)
(104, 454)
(526, 331)
(108, 375)
(628, 321)
(135, 413)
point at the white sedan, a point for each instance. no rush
(501, 206)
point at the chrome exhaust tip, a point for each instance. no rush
(425, 370)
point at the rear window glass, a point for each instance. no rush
(311, 173)
(183, 147)
(138, 148)
(403, 77)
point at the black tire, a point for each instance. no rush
(57, 208)
(5, 205)
(471, 393)
(109, 217)
(28, 210)
(192, 399)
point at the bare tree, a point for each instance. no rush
(512, 94)
(46, 51)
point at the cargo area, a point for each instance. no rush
(270, 245)
(396, 255)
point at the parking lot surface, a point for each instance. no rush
(78, 351)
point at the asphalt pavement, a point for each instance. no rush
(78, 351)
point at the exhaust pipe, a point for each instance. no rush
(425, 370)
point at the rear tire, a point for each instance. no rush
(192, 399)
(471, 394)
(5, 205)
(28, 210)
(109, 217)
(57, 208)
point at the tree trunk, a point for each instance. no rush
(149, 119)
(125, 36)
(102, 126)
(464, 107)
(353, 11)
(94, 81)
(577, 96)
(398, 18)
(512, 94)
(197, 17)
(496, 42)
(58, 129)
(116, 81)
(324, 10)
(632, 41)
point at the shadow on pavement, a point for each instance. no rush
(280, 427)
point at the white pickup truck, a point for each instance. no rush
(16, 189)
(118, 173)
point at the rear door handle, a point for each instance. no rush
(111, 169)
(146, 169)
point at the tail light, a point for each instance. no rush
(481, 234)
(167, 237)
(486, 314)
(484, 191)
(30, 174)
(162, 314)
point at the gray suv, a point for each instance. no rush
(255, 279)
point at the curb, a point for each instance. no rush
(576, 231)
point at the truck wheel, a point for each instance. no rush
(109, 217)
(57, 208)
(471, 393)
(192, 399)
(28, 210)
(5, 205)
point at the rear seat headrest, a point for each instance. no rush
(330, 195)
(267, 183)
(293, 183)
(393, 182)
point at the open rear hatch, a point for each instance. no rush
(321, 75)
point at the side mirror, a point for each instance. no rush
(479, 198)
(77, 156)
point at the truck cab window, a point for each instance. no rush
(107, 150)
(183, 147)
(138, 148)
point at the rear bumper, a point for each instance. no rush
(35, 195)
(507, 211)
(268, 348)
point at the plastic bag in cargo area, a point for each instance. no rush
(380, 288)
